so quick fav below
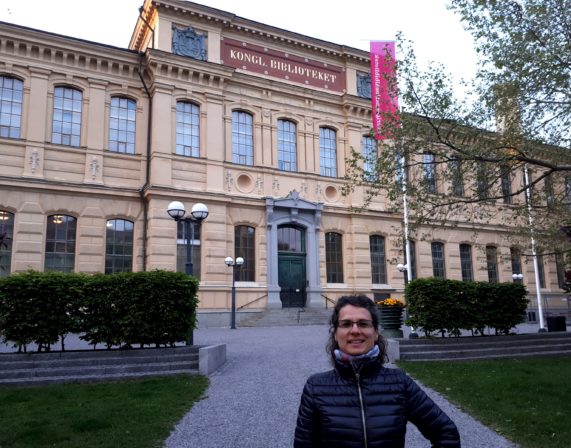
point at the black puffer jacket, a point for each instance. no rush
(368, 407)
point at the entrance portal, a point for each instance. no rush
(291, 266)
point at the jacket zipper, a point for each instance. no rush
(358, 377)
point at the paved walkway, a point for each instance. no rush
(253, 399)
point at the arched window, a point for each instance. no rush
(334, 257)
(429, 168)
(60, 243)
(328, 152)
(122, 120)
(11, 94)
(245, 247)
(187, 129)
(492, 263)
(291, 239)
(66, 122)
(119, 246)
(287, 145)
(369, 150)
(378, 259)
(466, 262)
(6, 237)
(242, 139)
(438, 262)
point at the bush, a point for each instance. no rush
(450, 306)
(144, 308)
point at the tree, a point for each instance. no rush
(475, 159)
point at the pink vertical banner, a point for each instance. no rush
(383, 85)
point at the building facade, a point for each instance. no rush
(207, 107)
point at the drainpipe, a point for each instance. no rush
(146, 185)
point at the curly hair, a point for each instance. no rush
(360, 301)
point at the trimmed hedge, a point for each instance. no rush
(450, 306)
(145, 308)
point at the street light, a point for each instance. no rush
(235, 265)
(402, 267)
(198, 213)
(517, 277)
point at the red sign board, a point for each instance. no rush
(278, 64)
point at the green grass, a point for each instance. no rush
(136, 413)
(526, 400)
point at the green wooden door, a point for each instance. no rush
(292, 280)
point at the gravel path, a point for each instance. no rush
(252, 400)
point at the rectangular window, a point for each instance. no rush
(541, 271)
(242, 139)
(560, 266)
(122, 120)
(567, 198)
(193, 235)
(378, 263)
(6, 237)
(506, 182)
(66, 121)
(482, 182)
(466, 262)
(429, 168)
(334, 257)
(549, 192)
(287, 145)
(438, 262)
(412, 248)
(60, 243)
(369, 151)
(515, 256)
(11, 94)
(119, 246)
(187, 129)
(245, 247)
(328, 152)
(492, 263)
(457, 178)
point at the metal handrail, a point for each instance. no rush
(255, 300)
(327, 299)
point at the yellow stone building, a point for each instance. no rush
(207, 107)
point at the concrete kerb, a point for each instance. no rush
(211, 358)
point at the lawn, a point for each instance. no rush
(526, 400)
(135, 413)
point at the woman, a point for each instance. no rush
(361, 403)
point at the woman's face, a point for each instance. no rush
(355, 333)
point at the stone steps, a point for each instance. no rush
(19, 369)
(288, 316)
(486, 347)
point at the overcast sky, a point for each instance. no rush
(437, 33)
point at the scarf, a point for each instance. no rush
(351, 359)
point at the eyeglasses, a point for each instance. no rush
(361, 324)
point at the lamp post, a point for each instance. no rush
(198, 213)
(235, 265)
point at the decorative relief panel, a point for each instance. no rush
(187, 42)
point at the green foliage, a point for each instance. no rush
(142, 308)
(450, 306)
(515, 114)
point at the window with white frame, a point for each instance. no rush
(187, 129)
(242, 138)
(122, 125)
(66, 119)
(328, 152)
(287, 145)
(11, 96)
